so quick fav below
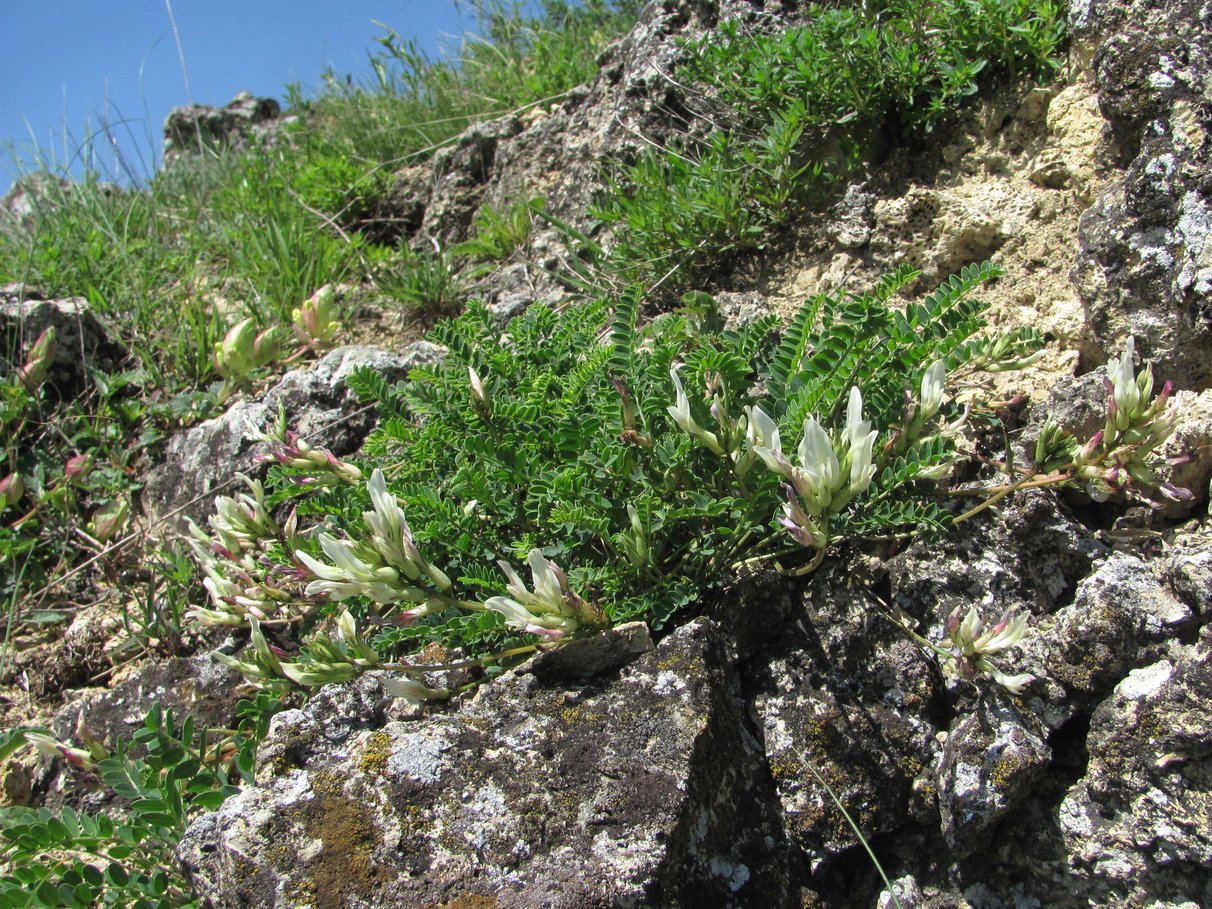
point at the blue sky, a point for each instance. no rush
(70, 65)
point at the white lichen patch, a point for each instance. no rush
(1143, 682)
(736, 874)
(418, 756)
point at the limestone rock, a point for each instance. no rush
(319, 406)
(843, 701)
(1137, 823)
(641, 790)
(196, 129)
(993, 757)
(1145, 263)
(1121, 616)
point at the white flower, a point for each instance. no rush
(392, 536)
(350, 576)
(762, 435)
(861, 440)
(477, 386)
(1124, 389)
(932, 389)
(680, 411)
(551, 609)
(413, 690)
(816, 476)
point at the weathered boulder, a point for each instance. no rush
(641, 789)
(319, 405)
(993, 757)
(1138, 824)
(82, 341)
(196, 128)
(459, 174)
(1145, 262)
(1121, 617)
(844, 702)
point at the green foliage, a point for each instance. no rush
(500, 233)
(163, 777)
(76, 460)
(791, 107)
(430, 282)
(544, 438)
(415, 103)
(273, 248)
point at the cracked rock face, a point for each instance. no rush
(1138, 823)
(641, 790)
(319, 405)
(1145, 262)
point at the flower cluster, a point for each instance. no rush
(1116, 458)
(244, 349)
(286, 448)
(552, 609)
(316, 322)
(1136, 424)
(829, 473)
(387, 568)
(237, 573)
(972, 643)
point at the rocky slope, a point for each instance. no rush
(706, 769)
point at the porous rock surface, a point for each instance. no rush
(708, 772)
(638, 789)
(319, 405)
(1145, 260)
(197, 129)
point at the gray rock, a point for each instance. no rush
(852, 218)
(645, 791)
(1121, 617)
(459, 173)
(196, 686)
(1188, 569)
(595, 655)
(82, 341)
(196, 129)
(1031, 556)
(319, 406)
(843, 701)
(993, 757)
(1145, 263)
(1138, 822)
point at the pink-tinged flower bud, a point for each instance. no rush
(954, 621)
(1176, 493)
(12, 488)
(1088, 450)
(109, 521)
(1164, 395)
(38, 361)
(77, 467)
(44, 347)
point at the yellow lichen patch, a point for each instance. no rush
(1005, 769)
(345, 863)
(468, 901)
(375, 754)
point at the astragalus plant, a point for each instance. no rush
(631, 469)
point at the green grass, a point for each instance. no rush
(792, 108)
